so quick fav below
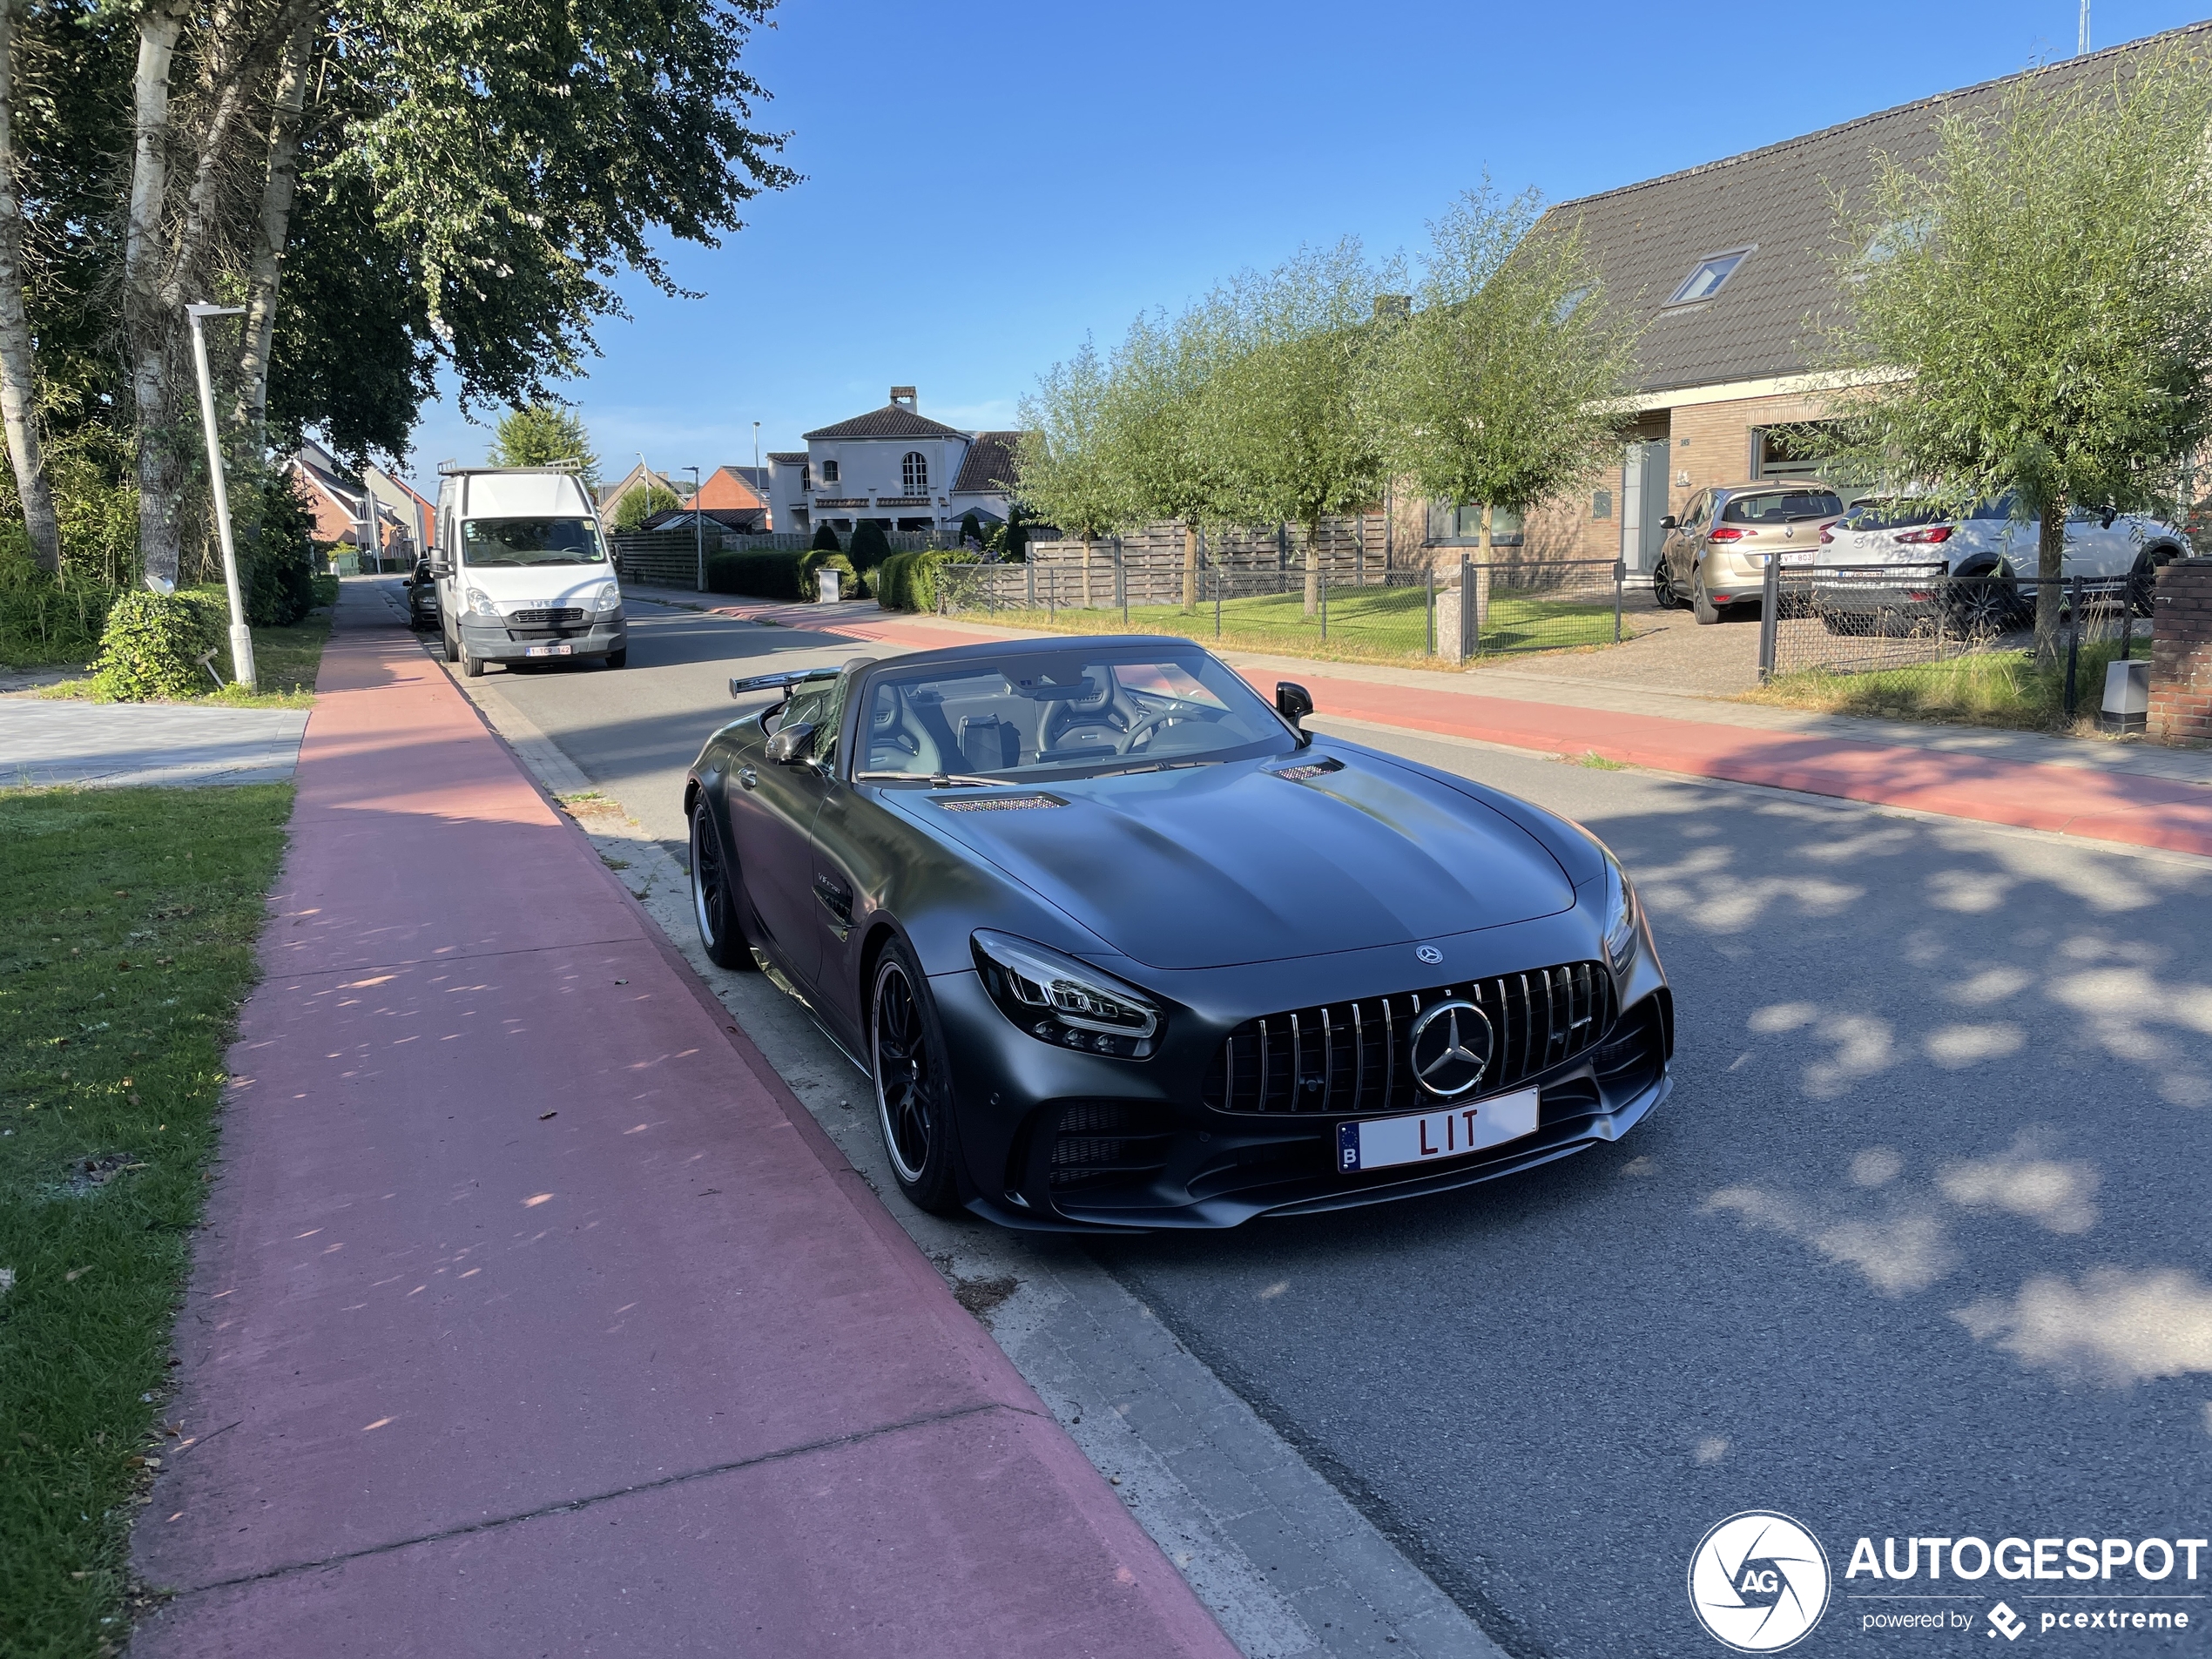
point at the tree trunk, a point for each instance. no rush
(1485, 550)
(18, 365)
(273, 228)
(1087, 541)
(148, 327)
(1312, 570)
(1190, 569)
(2050, 568)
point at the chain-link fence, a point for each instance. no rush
(1351, 605)
(1917, 625)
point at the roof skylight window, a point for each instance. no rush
(1705, 281)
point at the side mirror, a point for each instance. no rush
(1670, 522)
(1293, 703)
(440, 570)
(791, 743)
(2109, 513)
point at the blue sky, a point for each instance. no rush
(987, 182)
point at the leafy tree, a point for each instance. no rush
(869, 547)
(642, 503)
(1282, 410)
(543, 433)
(1502, 385)
(1014, 536)
(971, 528)
(1064, 466)
(1159, 459)
(2032, 310)
(825, 539)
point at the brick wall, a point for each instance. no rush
(2181, 655)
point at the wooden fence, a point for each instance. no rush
(1147, 566)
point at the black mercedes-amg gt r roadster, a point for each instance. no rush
(1122, 946)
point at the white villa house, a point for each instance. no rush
(895, 466)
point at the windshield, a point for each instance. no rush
(1065, 713)
(1783, 506)
(1893, 515)
(516, 542)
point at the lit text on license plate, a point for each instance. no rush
(1377, 1143)
(545, 650)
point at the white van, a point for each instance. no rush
(523, 570)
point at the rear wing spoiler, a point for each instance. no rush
(785, 682)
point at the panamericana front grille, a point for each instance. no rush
(566, 613)
(1352, 1056)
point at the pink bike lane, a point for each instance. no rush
(533, 1314)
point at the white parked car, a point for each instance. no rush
(1978, 567)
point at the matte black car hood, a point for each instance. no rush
(1218, 865)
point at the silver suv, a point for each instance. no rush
(1717, 548)
(1991, 543)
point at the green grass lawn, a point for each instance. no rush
(127, 924)
(1998, 688)
(1382, 622)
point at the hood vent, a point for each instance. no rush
(1311, 769)
(1000, 804)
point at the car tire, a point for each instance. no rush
(909, 1063)
(618, 658)
(1985, 605)
(452, 638)
(1700, 604)
(714, 893)
(471, 665)
(2142, 583)
(1662, 588)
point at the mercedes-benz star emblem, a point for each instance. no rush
(1430, 955)
(1449, 1047)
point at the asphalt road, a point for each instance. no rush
(1917, 1249)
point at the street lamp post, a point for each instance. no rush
(698, 527)
(759, 484)
(242, 636)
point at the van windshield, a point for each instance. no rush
(530, 542)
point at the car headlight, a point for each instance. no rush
(480, 604)
(608, 597)
(1620, 913)
(1070, 1004)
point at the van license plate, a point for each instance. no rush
(1377, 1143)
(546, 650)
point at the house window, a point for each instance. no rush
(1705, 281)
(1451, 525)
(805, 478)
(1570, 303)
(914, 473)
(1601, 503)
(829, 472)
(1786, 452)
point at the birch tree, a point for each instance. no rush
(2042, 284)
(19, 369)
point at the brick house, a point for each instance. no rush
(1729, 268)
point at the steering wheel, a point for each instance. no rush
(1142, 731)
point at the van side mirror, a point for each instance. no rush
(791, 743)
(439, 569)
(1293, 703)
(1670, 522)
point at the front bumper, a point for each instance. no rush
(499, 641)
(1159, 1156)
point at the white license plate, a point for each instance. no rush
(1378, 1144)
(1805, 557)
(545, 650)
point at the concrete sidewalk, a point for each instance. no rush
(45, 741)
(2134, 793)
(534, 1315)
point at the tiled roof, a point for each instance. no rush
(1645, 238)
(988, 468)
(787, 456)
(889, 422)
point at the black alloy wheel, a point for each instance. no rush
(714, 899)
(913, 1089)
(2142, 581)
(1983, 605)
(1662, 588)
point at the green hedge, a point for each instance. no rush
(758, 573)
(908, 580)
(276, 575)
(152, 645)
(855, 585)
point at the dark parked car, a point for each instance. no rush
(1121, 946)
(421, 598)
